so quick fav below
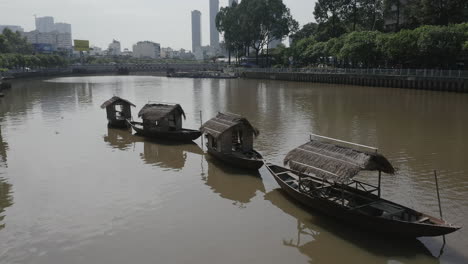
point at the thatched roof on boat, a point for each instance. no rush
(115, 99)
(224, 122)
(156, 112)
(335, 162)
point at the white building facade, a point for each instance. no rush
(147, 49)
(58, 40)
(114, 48)
(45, 24)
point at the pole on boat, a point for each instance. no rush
(380, 180)
(440, 209)
(438, 194)
(201, 123)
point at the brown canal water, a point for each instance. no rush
(74, 191)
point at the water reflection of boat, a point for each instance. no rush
(165, 154)
(321, 178)
(168, 155)
(318, 237)
(233, 184)
(6, 199)
(120, 138)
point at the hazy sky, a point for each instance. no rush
(163, 21)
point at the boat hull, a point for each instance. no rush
(237, 161)
(184, 135)
(386, 226)
(118, 123)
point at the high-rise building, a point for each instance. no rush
(232, 2)
(45, 24)
(147, 49)
(54, 38)
(196, 31)
(11, 27)
(114, 48)
(214, 34)
(62, 27)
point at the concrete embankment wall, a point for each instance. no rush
(409, 82)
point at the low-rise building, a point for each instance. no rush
(167, 53)
(147, 49)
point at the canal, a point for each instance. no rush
(74, 191)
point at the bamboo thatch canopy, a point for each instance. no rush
(224, 122)
(335, 162)
(115, 99)
(155, 112)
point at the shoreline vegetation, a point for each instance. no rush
(346, 34)
(351, 34)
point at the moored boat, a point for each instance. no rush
(118, 112)
(230, 139)
(320, 176)
(164, 121)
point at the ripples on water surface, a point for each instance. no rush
(74, 191)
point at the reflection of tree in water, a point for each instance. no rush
(6, 200)
(119, 138)
(319, 236)
(3, 150)
(233, 184)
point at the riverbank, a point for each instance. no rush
(437, 83)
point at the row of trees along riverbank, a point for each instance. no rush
(352, 33)
(17, 53)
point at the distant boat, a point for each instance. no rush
(118, 112)
(164, 121)
(230, 139)
(320, 177)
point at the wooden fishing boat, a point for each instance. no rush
(230, 139)
(118, 112)
(183, 134)
(320, 177)
(164, 121)
(248, 160)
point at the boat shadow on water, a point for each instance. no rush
(237, 185)
(319, 235)
(160, 153)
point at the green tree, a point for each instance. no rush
(360, 47)
(308, 30)
(264, 21)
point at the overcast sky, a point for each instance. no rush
(167, 22)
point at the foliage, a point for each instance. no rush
(17, 61)
(361, 47)
(254, 24)
(306, 31)
(426, 46)
(13, 42)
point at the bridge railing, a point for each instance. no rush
(365, 71)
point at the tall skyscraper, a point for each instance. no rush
(232, 2)
(214, 34)
(62, 27)
(196, 31)
(45, 24)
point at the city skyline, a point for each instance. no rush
(100, 22)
